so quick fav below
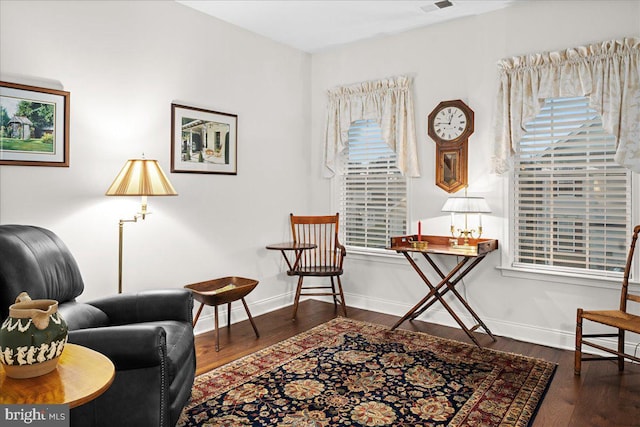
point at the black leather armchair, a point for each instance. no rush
(148, 336)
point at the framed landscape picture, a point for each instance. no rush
(203, 141)
(34, 126)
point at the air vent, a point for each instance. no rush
(442, 4)
(436, 6)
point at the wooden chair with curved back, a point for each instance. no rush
(620, 319)
(325, 260)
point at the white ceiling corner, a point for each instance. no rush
(314, 25)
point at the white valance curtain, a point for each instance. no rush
(390, 103)
(608, 73)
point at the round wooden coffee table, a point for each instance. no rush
(82, 375)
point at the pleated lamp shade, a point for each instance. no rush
(141, 177)
(466, 205)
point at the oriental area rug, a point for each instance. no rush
(352, 373)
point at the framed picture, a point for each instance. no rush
(34, 126)
(203, 141)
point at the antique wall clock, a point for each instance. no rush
(450, 124)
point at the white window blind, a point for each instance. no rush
(373, 192)
(572, 206)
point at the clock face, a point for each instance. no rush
(449, 123)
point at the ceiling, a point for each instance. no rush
(313, 25)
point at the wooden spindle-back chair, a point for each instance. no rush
(620, 319)
(323, 261)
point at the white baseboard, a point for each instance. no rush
(206, 321)
(533, 334)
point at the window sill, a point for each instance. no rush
(560, 277)
(382, 256)
(564, 278)
(376, 255)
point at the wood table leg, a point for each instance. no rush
(217, 333)
(198, 314)
(286, 258)
(451, 286)
(434, 292)
(229, 315)
(445, 281)
(413, 310)
(293, 267)
(246, 307)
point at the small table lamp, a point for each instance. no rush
(138, 177)
(466, 205)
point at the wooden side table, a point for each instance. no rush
(82, 375)
(223, 291)
(291, 246)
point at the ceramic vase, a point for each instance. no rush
(32, 337)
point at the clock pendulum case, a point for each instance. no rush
(450, 124)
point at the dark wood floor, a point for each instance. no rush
(601, 396)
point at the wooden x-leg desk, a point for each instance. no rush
(470, 257)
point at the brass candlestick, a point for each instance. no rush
(465, 233)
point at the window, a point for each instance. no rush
(373, 192)
(572, 202)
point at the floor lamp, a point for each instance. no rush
(138, 177)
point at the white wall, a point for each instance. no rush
(124, 63)
(457, 60)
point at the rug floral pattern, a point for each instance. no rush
(351, 373)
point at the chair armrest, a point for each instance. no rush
(128, 347)
(147, 306)
(343, 250)
(342, 253)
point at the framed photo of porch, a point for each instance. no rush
(34, 126)
(203, 141)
